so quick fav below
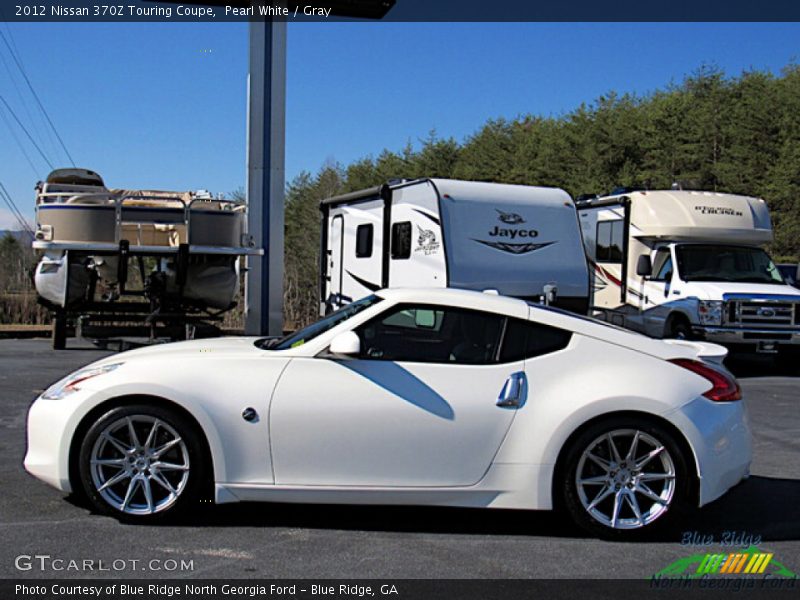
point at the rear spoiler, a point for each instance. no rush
(705, 351)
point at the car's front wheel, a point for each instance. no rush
(625, 478)
(142, 463)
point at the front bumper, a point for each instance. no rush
(744, 335)
(719, 433)
(51, 424)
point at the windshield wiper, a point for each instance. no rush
(706, 278)
(755, 280)
(268, 342)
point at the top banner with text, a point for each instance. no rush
(400, 10)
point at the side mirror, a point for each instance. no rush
(346, 344)
(644, 266)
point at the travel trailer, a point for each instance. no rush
(516, 240)
(149, 263)
(688, 264)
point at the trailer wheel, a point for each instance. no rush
(59, 331)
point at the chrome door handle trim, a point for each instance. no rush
(514, 391)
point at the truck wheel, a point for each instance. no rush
(678, 328)
(59, 331)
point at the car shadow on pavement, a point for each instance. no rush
(762, 365)
(760, 506)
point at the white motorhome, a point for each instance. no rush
(518, 240)
(689, 264)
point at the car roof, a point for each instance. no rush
(481, 300)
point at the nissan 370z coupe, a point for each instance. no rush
(424, 397)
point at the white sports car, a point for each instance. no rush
(428, 397)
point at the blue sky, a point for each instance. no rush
(162, 105)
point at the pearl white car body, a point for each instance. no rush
(333, 428)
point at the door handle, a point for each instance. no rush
(514, 391)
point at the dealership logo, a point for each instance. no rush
(510, 218)
(426, 241)
(746, 562)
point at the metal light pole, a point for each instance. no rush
(266, 132)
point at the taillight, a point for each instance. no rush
(724, 388)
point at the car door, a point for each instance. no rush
(418, 406)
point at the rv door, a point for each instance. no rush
(335, 264)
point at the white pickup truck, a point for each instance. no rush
(686, 264)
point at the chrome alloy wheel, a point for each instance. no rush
(139, 464)
(625, 479)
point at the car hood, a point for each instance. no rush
(716, 290)
(213, 347)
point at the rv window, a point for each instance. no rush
(609, 241)
(524, 339)
(401, 240)
(662, 265)
(364, 241)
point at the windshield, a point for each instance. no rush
(736, 264)
(300, 337)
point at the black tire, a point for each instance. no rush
(190, 492)
(59, 331)
(788, 361)
(678, 328)
(629, 526)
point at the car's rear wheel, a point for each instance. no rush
(142, 463)
(626, 478)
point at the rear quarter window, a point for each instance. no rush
(526, 339)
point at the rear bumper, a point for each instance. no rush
(719, 433)
(740, 335)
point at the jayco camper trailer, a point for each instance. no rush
(518, 240)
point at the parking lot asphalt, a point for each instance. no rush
(280, 540)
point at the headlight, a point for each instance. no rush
(710, 312)
(69, 384)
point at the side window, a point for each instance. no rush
(432, 334)
(415, 318)
(609, 241)
(401, 240)
(662, 265)
(525, 339)
(364, 241)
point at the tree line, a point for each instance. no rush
(710, 132)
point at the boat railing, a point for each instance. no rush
(172, 227)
